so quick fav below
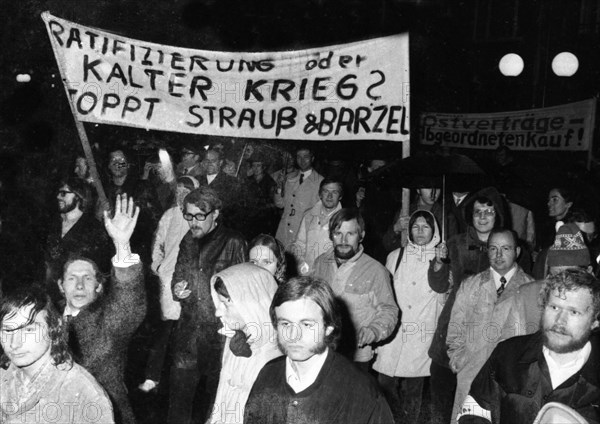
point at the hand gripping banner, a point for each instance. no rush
(356, 91)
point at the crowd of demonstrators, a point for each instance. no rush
(407, 322)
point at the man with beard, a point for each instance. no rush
(362, 284)
(77, 233)
(484, 313)
(560, 363)
(208, 248)
(312, 383)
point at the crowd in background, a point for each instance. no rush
(204, 214)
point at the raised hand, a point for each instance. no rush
(441, 252)
(121, 225)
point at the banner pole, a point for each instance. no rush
(87, 149)
(83, 138)
(405, 193)
(241, 159)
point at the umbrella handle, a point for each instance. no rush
(444, 208)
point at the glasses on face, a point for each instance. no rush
(484, 213)
(187, 153)
(198, 217)
(63, 193)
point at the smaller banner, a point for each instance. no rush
(566, 127)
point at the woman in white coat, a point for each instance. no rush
(403, 363)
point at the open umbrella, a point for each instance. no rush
(459, 172)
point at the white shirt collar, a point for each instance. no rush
(508, 276)
(306, 173)
(458, 199)
(210, 178)
(70, 311)
(315, 364)
(561, 373)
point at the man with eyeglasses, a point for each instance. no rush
(77, 232)
(205, 250)
(190, 163)
(483, 313)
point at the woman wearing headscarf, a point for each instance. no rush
(242, 295)
(403, 363)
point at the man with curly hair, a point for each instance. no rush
(559, 363)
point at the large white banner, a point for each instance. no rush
(564, 127)
(345, 92)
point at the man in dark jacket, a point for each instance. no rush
(312, 383)
(205, 250)
(560, 363)
(77, 233)
(101, 318)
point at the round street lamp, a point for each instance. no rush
(565, 64)
(511, 65)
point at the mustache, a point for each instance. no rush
(559, 329)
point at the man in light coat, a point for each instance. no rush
(297, 195)
(313, 237)
(361, 283)
(484, 313)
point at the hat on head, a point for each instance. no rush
(569, 248)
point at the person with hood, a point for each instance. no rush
(463, 255)
(403, 361)
(242, 295)
(428, 198)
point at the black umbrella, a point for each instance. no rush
(459, 172)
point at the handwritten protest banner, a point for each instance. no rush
(565, 127)
(344, 92)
